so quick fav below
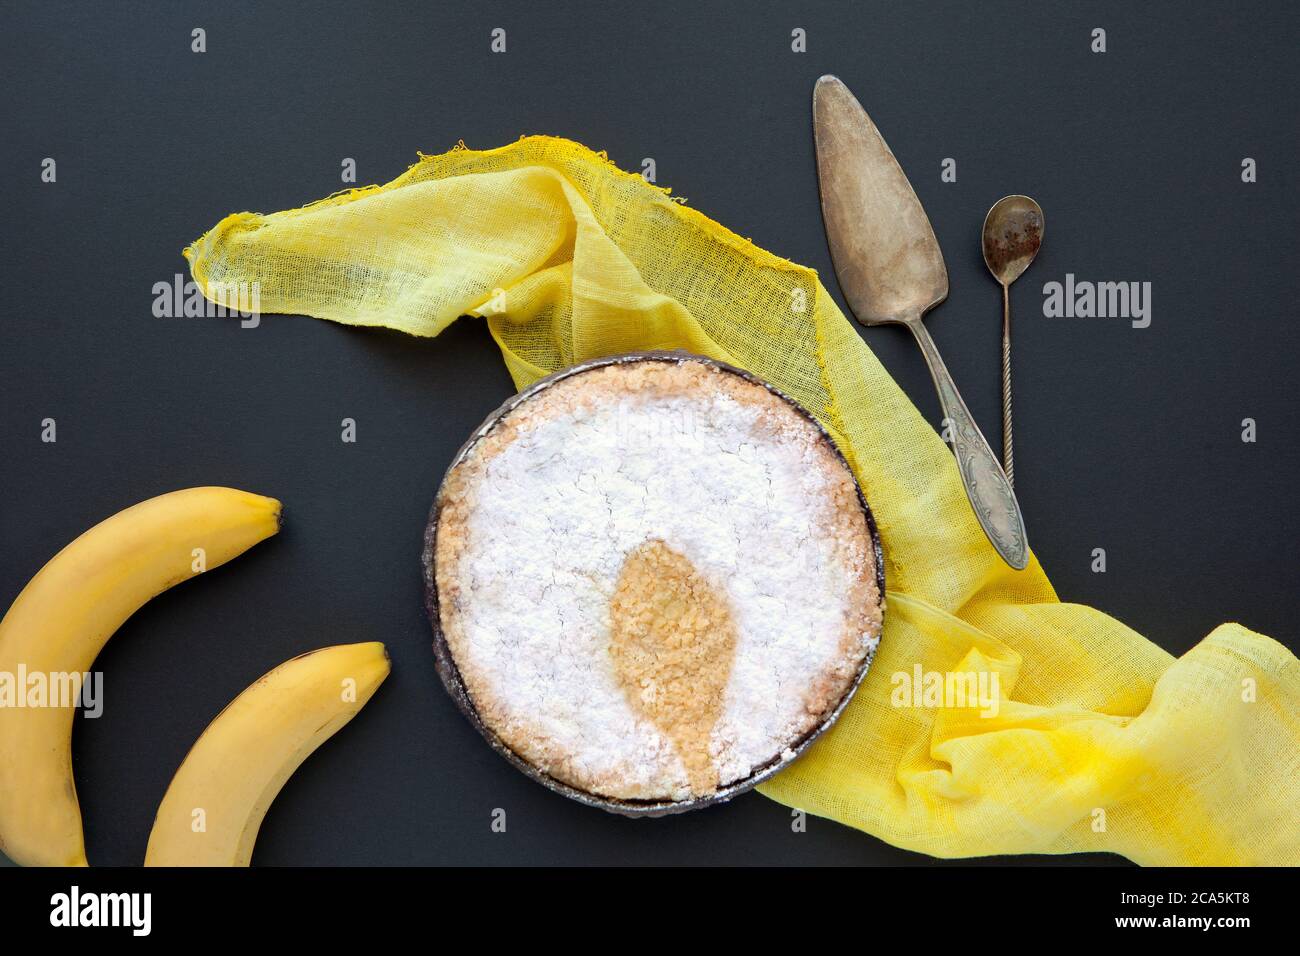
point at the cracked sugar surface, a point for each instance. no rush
(654, 578)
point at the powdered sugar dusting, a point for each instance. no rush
(741, 486)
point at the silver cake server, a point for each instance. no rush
(890, 269)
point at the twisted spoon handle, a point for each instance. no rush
(990, 494)
(1008, 458)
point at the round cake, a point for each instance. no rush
(654, 577)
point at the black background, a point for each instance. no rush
(1127, 439)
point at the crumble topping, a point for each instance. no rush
(673, 644)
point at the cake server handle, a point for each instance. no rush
(987, 487)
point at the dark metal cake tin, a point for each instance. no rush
(446, 665)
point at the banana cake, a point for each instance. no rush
(655, 578)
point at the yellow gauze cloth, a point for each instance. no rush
(1101, 741)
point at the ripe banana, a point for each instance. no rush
(66, 614)
(218, 798)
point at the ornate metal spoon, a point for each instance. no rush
(1013, 231)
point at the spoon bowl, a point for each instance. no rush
(1012, 235)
